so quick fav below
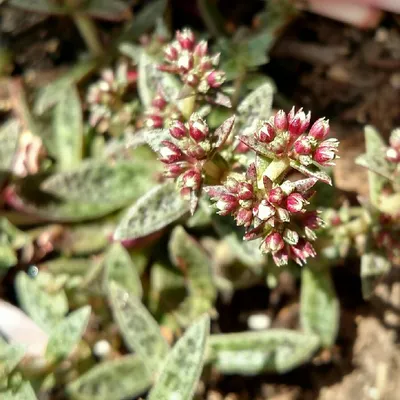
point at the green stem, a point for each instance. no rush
(188, 106)
(277, 168)
(88, 30)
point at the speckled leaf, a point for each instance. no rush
(119, 268)
(100, 181)
(68, 266)
(66, 334)
(311, 172)
(44, 6)
(8, 258)
(256, 106)
(251, 353)
(53, 92)
(373, 266)
(152, 79)
(155, 210)
(9, 134)
(68, 130)
(114, 10)
(258, 147)
(44, 308)
(10, 356)
(182, 367)
(319, 306)
(123, 378)
(138, 327)
(223, 131)
(194, 262)
(23, 392)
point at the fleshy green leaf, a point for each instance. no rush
(123, 378)
(212, 17)
(23, 392)
(10, 356)
(373, 266)
(155, 210)
(255, 107)
(319, 307)
(182, 367)
(101, 181)
(138, 328)
(52, 93)
(44, 6)
(68, 130)
(193, 261)
(152, 79)
(44, 308)
(119, 268)
(144, 20)
(251, 353)
(65, 336)
(8, 258)
(114, 10)
(9, 135)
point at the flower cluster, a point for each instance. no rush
(161, 112)
(393, 152)
(265, 204)
(110, 99)
(191, 61)
(188, 154)
(286, 135)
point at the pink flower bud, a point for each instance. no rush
(245, 191)
(244, 217)
(177, 130)
(201, 49)
(242, 148)
(295, 202)
(280, 120)
(192, 80)
(215, 78)
(273, 242)
(264, 211)
(290, 236)
(299, 123)
(320, 129)
(281, 258)
(171, 52)
(196, 152)
(132, 76)
(205, 64)
(301, 251)
(303, 146)
(393, 155)
(312, 220)
(185, 62)
(170, 153)
(326, 153)
(173, 170)
(159, 102)
(191, 179)
(198, 129)
(266, 133)
(275, 196)
(227, 204)
(186, 39)
(231, 184)
(155, 121)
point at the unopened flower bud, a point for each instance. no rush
(191, 179)
(186, 39)
(227, 204)
(280, 120)
(326, 153)
(196, 152)
(155, 121)
(244, 217)
(201, 49)
(173, 170)
(198, 129)
(320, 129)
(171, 52)
(291, 237)
(216, 78)
(245, 191)
(266, 133)
(299, 123)
(169, 152)
(185, 62)
(264, 211)
(274, 242)
(177, 129)
(295, 202)
(232, 184)
(275, 195)
(192, 80)
(303, 146)
(393, 155)
(159, 102)
(394, 139)
(132, 76)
